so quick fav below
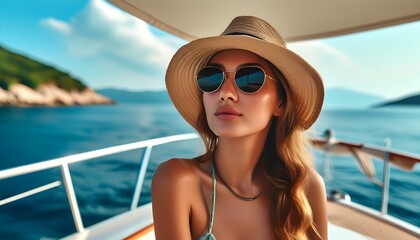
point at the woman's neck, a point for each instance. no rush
(237, 160)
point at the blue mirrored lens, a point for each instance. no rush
(209, 79)
(249, 79)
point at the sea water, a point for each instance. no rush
(104, 187)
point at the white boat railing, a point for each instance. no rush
(64, 162)
(386, 179)
(361, 152)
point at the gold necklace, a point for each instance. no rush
(233, 191)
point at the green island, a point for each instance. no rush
(26, 82)
(17, 68)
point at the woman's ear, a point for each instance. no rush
(277, 111)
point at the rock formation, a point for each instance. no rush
(49, 95)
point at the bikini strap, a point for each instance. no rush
(213, 198)
(209, 235)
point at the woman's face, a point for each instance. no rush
(232, 113)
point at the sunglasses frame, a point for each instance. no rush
(224, 78)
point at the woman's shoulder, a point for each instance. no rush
(176, 172)
(317, 197)
(176, 167)
(316, 183)
(174, 189)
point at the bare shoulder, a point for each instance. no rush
(317, 198)
(173, 187)
(174, 172)
(177, 164)
(316, 184)
(315, 191)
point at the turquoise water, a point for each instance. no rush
(105, 187)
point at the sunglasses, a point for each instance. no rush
(248, 79)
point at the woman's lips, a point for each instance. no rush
(227, 113)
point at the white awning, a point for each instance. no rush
(294, 19)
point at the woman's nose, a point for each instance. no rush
(228, 89)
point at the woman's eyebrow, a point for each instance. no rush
(216, 65)
(249, 64)
(239, 66)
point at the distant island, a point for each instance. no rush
(119, 95)
(413, 100)
(339, 98)
(26, 82)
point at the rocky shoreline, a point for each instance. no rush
(49, 95)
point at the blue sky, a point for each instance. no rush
(105, 47)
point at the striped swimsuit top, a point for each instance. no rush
(209, 235)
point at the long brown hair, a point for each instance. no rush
(287, 164)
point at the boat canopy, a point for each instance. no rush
(296, 20)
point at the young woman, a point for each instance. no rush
(251, 100)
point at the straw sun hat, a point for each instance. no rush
(254, 35)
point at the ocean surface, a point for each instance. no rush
(104, 187)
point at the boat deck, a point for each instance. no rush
(355, 220)
(345, 223)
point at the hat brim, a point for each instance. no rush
(304, 81)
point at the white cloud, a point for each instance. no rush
(57, 25)
(101, 32)
(330, 62)
(318, 52)
(356, 67)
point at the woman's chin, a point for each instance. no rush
(233, 133)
